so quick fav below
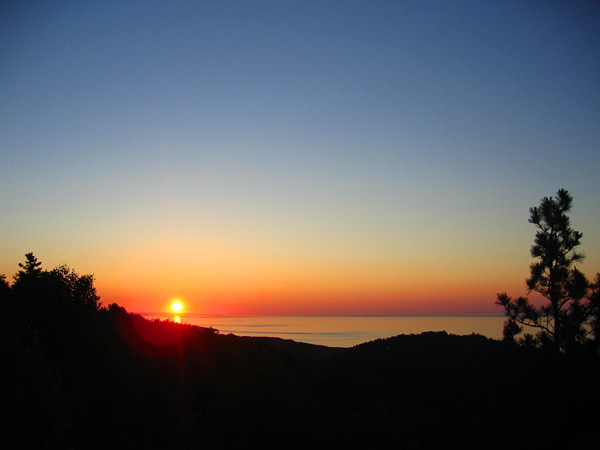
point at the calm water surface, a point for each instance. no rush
(341, 331)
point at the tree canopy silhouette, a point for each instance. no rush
(564, 321)
(30, 269)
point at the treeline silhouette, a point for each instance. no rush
(81, 375)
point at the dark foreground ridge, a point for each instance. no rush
(77, 375)
(119, 381)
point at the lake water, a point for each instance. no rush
(341, 331)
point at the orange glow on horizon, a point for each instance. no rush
(408, 296)
(228, 278)
(252, 284)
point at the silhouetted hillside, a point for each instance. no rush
(78, 375)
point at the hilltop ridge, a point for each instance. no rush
(111, 378)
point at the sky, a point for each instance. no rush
(296, 157)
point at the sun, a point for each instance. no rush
(176, 306)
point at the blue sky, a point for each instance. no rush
(310, 143)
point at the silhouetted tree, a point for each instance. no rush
(42, 289)
(562, 322)
(75, 288)
(31, 269)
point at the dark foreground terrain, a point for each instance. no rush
(76, 377)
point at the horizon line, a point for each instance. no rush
(188, 314)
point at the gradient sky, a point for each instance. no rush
(296, 157)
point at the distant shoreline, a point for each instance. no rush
(340, 330)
